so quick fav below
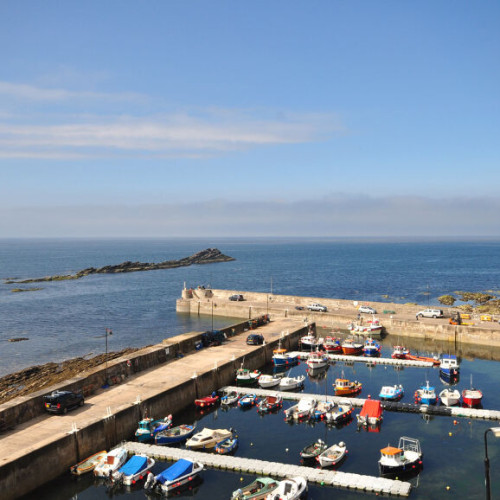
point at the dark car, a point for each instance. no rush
(236, 297)
(62, 401)
(255, 339)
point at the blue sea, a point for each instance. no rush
(68, 319)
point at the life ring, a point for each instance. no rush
(129, 363)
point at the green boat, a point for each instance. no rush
(246, 377)
(258, 490)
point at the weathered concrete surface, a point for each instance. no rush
(46, 446)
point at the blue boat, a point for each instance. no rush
(227, 445)
(148, 427)
(133, 470)
(426, 395)
(449, 369)
(178, 474)
(175, 434)
(248, 401)
(371, 348)
(391, 392)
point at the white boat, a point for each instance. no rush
(332, 455)
(291, 383)
(310, 342)
(133, 470)
(372, 328)
(230, 398)
(317, 360)
(407, 457)
(449, 397)
(289, 489)
(178, 474)
(268, 381)
(208, 438)
(111, 463)
(339, 413)
(391, 392)
(303, 409)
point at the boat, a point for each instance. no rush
(317, 360)
(269, 381)
(248, 400)
(289, 489)
(244, 376)
(229, 398)
(257, 490)
(313, 450)
(449, 368)
(450, 397)
(371, 348)
(332, 345)
(428, 359)
(472, 397)
(309, 342)
(175, 434)
(340, 413)
(399, 352)
(181, 472)
(283, 358)
(407, 457)
(113, 460)
(291, 383)
(352, 347)
(88, 464)
(227, 445)
(372, 328)
(345, 387)
(321, 409)
(148, 427)
(332, 455)
(208, 438)
(391, 392)
(207, 401)
(371, 413)
(426, 395)
(133, 470)
(270, 403)
(303, 409)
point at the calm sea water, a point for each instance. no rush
(67, 319)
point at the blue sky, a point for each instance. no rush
(223, 118)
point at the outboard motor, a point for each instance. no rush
(150, 482)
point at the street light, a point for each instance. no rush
(108, 332)
(496, 432)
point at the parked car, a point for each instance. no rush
(255, 339)
(62, 401)
(430, 313)
(317, 307)
(367, 309)
(236, 297)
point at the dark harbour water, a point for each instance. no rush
(67, 319)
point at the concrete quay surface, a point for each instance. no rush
(41, 449)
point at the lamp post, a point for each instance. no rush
(108, 332)
(496, 432)
(212, 315)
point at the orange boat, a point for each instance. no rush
(344, 387)
(434, 361)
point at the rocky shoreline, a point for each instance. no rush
(207, 256)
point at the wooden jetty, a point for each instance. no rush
(358, 482)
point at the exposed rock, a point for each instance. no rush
(208, 256)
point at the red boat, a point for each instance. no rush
(399, 352)
(351, 347)
(472, 397)
(206, 401)
(332, 345)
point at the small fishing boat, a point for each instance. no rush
(352, 347)
(229, 398)
(371, 348)
(407, 457)
(399, 352)
(317, 360)
(291, 383)
(449, 368)
(270, 403)
(244, 376)
(372, 328)
(391, 392)
(332, 345)
(371, 413)
(207, 401)
(340, 413)
(88, 464)
(178, 474)
(449, 397)
(257, 490)
(227, 445)
(269, 381)
(332, 455)
(289, 489)
(175, 434)
(310, 342)
(472, 397)
(345, 387)
(428, 359)
(148, 427)
(208, 438)
(313, 450)
(283, 358)
(321, 409)
(248, 400)
(302, 410)
(133, 470)
(426, 395)
(113, 460)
